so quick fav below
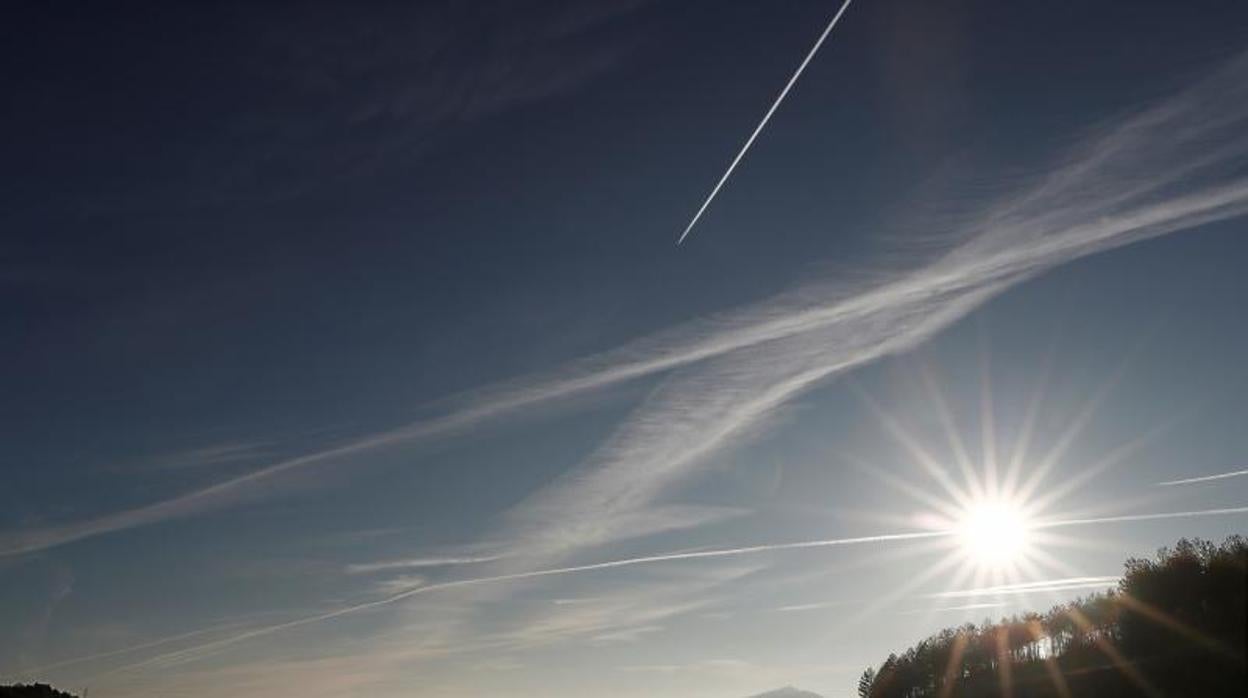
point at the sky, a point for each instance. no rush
(348, 350)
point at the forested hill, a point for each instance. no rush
(1175, 626)
(34, 690)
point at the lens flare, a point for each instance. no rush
(994, 533)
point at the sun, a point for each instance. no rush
(994, 533)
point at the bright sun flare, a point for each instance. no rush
(994, 534)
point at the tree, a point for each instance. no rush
(34, 690)
(1178, 623)
(865, 682)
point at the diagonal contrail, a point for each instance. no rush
(766, 117)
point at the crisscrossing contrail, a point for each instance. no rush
(766, 117)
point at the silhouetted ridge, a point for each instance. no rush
(34, 690)
(1175, 626)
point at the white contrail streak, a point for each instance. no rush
(1142, 517)
(1206, 478)
(1044, 586)
(766, 117)
(636, 561)
(420, 562)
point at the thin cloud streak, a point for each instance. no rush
(418, 563)
(1205, 478)
(778, 348)
(813, 606)
(943, 609)
(1141, 517)
(766, 117)
(1048, 585)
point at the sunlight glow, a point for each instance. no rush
(994, 534)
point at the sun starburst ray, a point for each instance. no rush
(953, 436)
(1125, 667)
(911, 446)
(987, 416)
(1031, 416)
(1082, 419)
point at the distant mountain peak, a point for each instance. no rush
(787, 692)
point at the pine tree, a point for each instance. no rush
(865, 682)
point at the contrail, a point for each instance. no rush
(420, 562)
(1142, 517)
(1048, 585)
(635, 561)
(766, 117)
(1206, 478)
(967, 607)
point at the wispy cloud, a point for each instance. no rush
(756, 359)
(626, 635)
(376, 97)
(721, 664)
(819, 605)
(418, 563)
(1205, 478)
(622, 614)
(217, 454)
(947, 609)
(400, 584)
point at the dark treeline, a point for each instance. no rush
(1175, 626)
(34, 690)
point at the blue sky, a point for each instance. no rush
(349, 352)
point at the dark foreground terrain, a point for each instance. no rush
(1175, 626)
(34, 690)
